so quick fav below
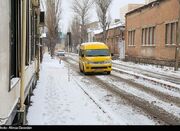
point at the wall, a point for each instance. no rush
(127, 8)
(158, 16)
(7, 99)
(114, 37)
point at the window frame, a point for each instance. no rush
(28, 44)
(169, 37)
(148, 36)
(131, 38)
(15, 31)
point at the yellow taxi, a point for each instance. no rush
(95, 58)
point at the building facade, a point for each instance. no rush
(91, 27)
(19, 57)
(115, 36)
(151, 33)
(125, 9)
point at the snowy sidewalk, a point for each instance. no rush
(59, 102)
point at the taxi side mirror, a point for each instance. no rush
(112, 54)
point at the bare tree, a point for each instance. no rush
(102, 9)
(76, 31)
(81, 8)
(53, 16)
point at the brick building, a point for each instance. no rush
(151, 33)
(114, 37)
(125, 9)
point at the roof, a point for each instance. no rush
(118, 24)
(98, 31)
(145, 6)
(115, 25)
(94, 45)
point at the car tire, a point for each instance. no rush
(84, 71)
(108, 73)
(80, 68)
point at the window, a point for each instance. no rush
(42, 18)
(27, 36)
(15, 38)
(32, 34)
(171, 30)
(94, 53)
(148, 36)
(131, 38)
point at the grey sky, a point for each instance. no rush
(115, 11)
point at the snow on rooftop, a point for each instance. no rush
(98, 31)
(112, 26)
(115, 25)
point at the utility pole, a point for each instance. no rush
(177, 42)
(69, 43)
(38, 44)
(23, 54)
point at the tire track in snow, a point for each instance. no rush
(153, 110)
(105, 110)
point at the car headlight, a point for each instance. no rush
(108, 62)
(103, 62)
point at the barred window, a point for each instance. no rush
(148, 36)
(131, 38)
(171, 30)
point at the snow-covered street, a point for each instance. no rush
(117, 99)
(57, 101)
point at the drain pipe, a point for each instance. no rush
(23, 54)
(177, 42)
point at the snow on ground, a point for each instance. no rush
(117, 108)
(57, 101)
(149, 84)
(143, 95)
(169, 70)
(153, 68)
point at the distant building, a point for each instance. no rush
(60, 45)
(126, 9)
(91, 27)
(151, 33)
(114, 38)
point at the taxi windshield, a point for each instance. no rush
(94, 53)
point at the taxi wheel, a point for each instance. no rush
(80, 69)
(108, 73)
(84, 71)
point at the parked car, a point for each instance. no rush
(61, 53)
